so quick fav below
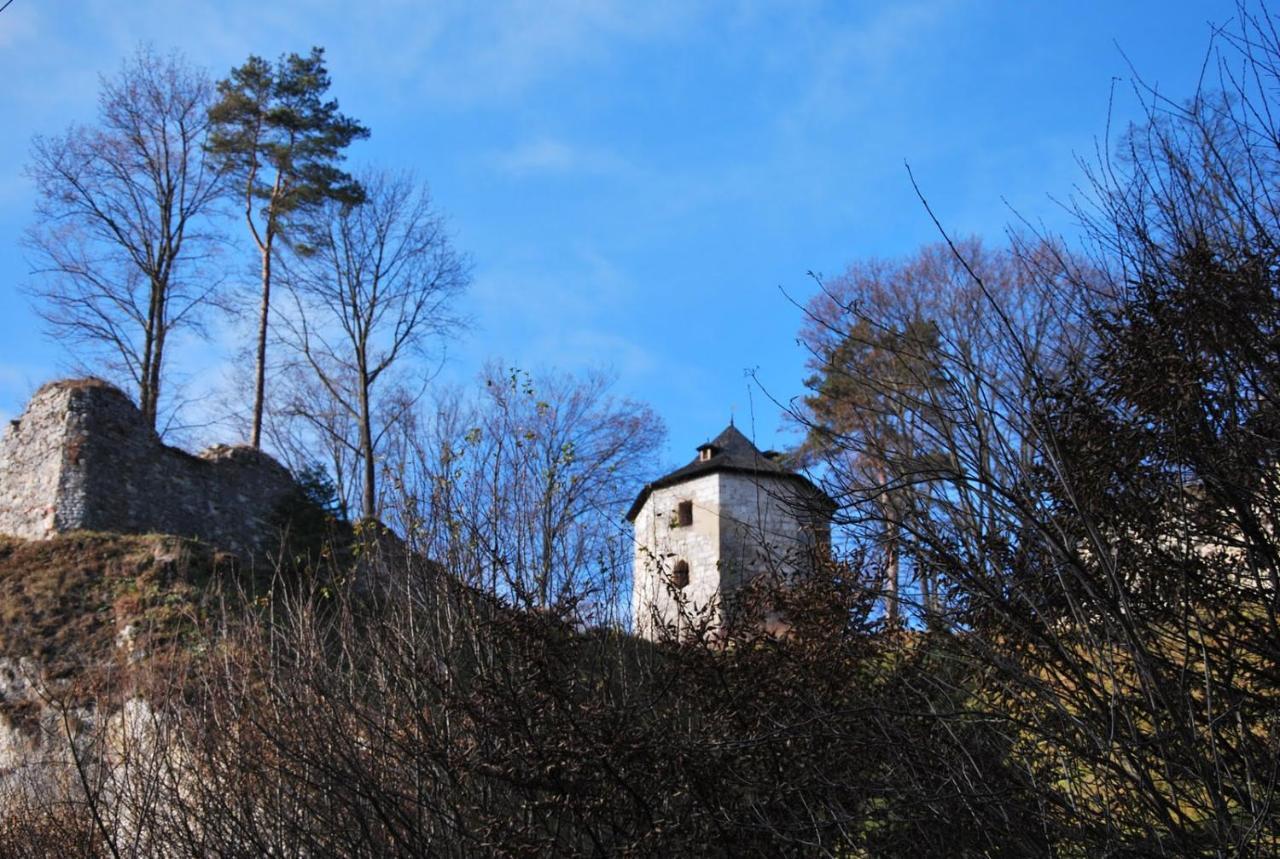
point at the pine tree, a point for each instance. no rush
(281, 140)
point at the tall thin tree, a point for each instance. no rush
(278, 137)
(122, 230)
(376, 284)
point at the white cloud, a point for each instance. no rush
(854, 65)
(512, 45)
(547, 155)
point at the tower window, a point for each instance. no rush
(680, 575)
(684, 514)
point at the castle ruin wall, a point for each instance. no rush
(81, 457)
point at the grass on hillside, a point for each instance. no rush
(70, 601)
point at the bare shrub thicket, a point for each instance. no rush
(434, 719)
(1099, 521)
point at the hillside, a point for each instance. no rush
(86, 599)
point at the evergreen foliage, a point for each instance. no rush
(278, 138)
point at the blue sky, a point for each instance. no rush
(637, 183)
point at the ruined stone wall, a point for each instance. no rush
(81, 457)
(31, 455)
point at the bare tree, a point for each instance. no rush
(903, 353)
(525, 488)
(307, 429)
(123, 236)
(1118, 598)
(375, 286)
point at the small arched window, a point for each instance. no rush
(680, 575)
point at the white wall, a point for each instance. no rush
(743, 526)
(767, 530)
(660, 544)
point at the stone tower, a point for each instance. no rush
(729, 516)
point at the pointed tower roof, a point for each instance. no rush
(729, 451)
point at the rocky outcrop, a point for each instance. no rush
(82, 458)
(89, 624)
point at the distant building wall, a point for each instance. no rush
(81, 457)
(661, 543)
(744, 526)
(771, 527)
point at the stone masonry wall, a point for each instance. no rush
(81, 457)
(771, 528)
(660, 544)
(31, 467)
(743, 526)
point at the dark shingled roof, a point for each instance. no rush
(730, 451)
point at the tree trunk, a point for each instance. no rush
(145, 374)
(152, 412)
(366, 451)
(260, 370)
(892, 612)
(889, 584)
